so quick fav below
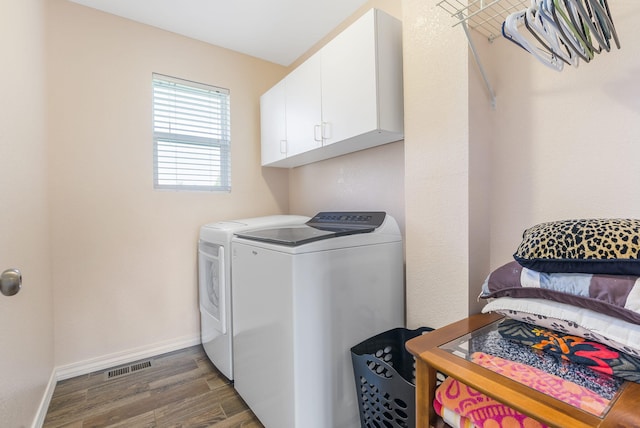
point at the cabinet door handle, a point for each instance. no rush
(326, 130)
(283, 147)
(317, 130)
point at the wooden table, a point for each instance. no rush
(625, 411)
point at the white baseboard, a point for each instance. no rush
(46, 400)
(106, 362)
(124, 357)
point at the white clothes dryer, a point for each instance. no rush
(303, 296)
(214, 284)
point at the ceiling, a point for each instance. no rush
(278, 31)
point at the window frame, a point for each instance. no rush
(198, 145)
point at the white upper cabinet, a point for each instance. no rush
(273, 130)
(346, 97)
(303, 105)
(349, 94)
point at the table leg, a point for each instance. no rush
(425, 392)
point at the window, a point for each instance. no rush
(191, 135)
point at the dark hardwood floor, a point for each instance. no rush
(179, 389)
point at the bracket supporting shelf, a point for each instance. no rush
(492, 95)
(485, 17)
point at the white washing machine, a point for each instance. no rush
(303, 296)
(214, 284)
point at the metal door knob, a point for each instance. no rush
(10, 282)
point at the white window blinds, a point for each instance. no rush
(191, 135)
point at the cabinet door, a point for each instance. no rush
(303, 100)
(349, 90)
(273, 123)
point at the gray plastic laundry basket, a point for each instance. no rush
(384, 373)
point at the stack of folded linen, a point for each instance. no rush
(579, 280)
(573, 293)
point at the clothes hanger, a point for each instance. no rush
(511, 32)
(565, 11)
(562, 31)
(560, 45)
(541, 39)
(534, 24)
(601, 9)
(536, 19)
(586, 19)
(580, 25)
(547, 11)
(600, 21)
(507, 36)
(568, 32)
(612, 27)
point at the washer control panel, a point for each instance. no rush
(346, 220)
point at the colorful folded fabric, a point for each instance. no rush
(554, 386)
(576, 349)
(460, 405)
(493, 343)
(451, 418)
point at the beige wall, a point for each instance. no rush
(559, 145)
(26, 319)
(467, 179)
(566, 144)
(369, 180)
(436, 166)
(482, 127)
(124, 255)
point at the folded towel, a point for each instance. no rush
(554, 386)
(462, 406)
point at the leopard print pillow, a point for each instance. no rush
(605, 246)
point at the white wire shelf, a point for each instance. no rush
(483, 16)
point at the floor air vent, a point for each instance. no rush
(123, 371)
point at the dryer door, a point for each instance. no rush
(211, 280)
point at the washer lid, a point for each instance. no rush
(291, 236)
(323, 225)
